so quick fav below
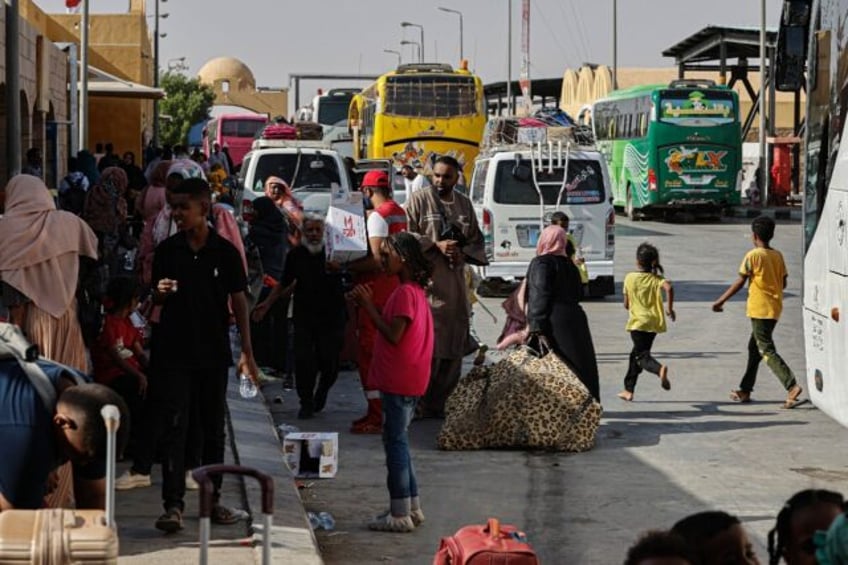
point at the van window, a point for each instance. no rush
(478, 181)
(585, 184)
(314, 172)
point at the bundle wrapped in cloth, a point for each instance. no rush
(523, 401)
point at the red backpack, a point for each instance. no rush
(490, 544)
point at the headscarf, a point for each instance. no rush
(152, 199)
(552, 241)
(159, 174)
(105, 205)
(227, 227)
(287, 192)
(186, 168)
(41, 246)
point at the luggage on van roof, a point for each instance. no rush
(543, 127)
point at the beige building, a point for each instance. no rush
(234, 85)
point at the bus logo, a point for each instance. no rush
(684, 160)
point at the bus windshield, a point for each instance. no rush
(241, 128)
(686, 107)
(514, 183)
(429, 96)
(332, 110)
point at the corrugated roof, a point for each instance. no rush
(704, 45)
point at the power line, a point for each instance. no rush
(574, 37)
(582, 34)
(550, 31)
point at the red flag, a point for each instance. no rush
(72, 3)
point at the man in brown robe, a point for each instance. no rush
(447, 228)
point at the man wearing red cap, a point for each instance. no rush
(386, 218)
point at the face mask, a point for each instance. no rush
(366, 201)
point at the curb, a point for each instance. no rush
(255, 443)
(791, 214)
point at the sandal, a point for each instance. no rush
(227, 516)
(792, 397)
(741, 396)
(664, 382)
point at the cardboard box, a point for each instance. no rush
(346, 239)
(312, 454)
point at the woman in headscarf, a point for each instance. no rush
(269, 232)
(88, 166)
(554, 313)
(39, 268)
(106, 213)
(149, 204)
(280, 193)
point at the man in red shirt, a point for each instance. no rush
(385, 219)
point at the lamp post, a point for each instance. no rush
(421, 44)
(457, 12)
(156, 17)
(407, 42)
(394, 52)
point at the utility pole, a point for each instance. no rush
(509, 57)
(614, 44)
(762, 103)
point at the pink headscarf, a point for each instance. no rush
(552, 242)
(41, 246)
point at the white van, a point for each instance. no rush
(515, 190)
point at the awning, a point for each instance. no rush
(103, 84)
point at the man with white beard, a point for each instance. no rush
(319, 316)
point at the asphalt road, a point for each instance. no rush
(658, 459)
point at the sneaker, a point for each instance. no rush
(171, 521)
(190, 483)
(416, 514)
(388, 523)
(129, 480)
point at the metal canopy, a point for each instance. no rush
(543, 89)
(714, 43)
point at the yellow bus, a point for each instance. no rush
(417, 113)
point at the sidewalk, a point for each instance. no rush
(252, 441)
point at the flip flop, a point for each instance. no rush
(664, 382)
(740, 396)
(792, 400)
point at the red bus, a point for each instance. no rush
(236, 131)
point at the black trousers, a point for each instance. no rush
(316, 350)
(127, 387)
(175, 394)
(640, 358)
(270, 336)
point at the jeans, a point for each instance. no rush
(761, 346)
(640, 358)
(397, 414)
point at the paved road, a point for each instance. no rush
(658, 459)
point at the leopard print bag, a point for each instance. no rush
(522, 401)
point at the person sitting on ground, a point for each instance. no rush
(659, 548)
(715, 538)
(807, 512)
(34, 440)
(119, 358)
(319, 316)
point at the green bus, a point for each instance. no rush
(674, 147)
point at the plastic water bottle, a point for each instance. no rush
(327, 521)
(247, 388)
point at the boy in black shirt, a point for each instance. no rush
(195, 271)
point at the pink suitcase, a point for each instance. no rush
(58, 536)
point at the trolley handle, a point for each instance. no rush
(203, 476)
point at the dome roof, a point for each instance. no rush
(227, 69)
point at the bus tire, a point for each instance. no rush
(629, 210)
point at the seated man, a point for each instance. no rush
(35, 440)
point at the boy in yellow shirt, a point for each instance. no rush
(765, 271)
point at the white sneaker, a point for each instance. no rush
(129, 480)
(389, 523)
(416, 514)
(191, 484)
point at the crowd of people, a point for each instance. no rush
(163, 244)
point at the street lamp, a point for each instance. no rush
(420, 27)
(156, 36)
(457, 12)
(405, 42)
(393, 52)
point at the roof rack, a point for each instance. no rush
(424, 68)
(692, 83)
(289, 144)
(507, 133)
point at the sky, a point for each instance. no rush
(278, 37)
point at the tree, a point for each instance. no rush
(186, 102)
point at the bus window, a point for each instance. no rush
(585, 185)
(241, 128)
(437, 96)
(689, 107)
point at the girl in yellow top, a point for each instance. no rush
(643, 298)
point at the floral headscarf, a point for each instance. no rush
(105, 206)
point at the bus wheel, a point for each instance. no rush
(629, 210)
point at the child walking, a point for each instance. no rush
(403, 351)
(643, 298)
(764, 270)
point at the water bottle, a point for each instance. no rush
(247, 388)
(327, 521)
(314, 521)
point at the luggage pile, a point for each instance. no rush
(524, 401)
(543, 126)
(305, 131)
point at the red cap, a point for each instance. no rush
(375, 179)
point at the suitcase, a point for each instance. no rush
(203, 476)
(309, 131)
(60, 536)
(489, 544)
(279, 131)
